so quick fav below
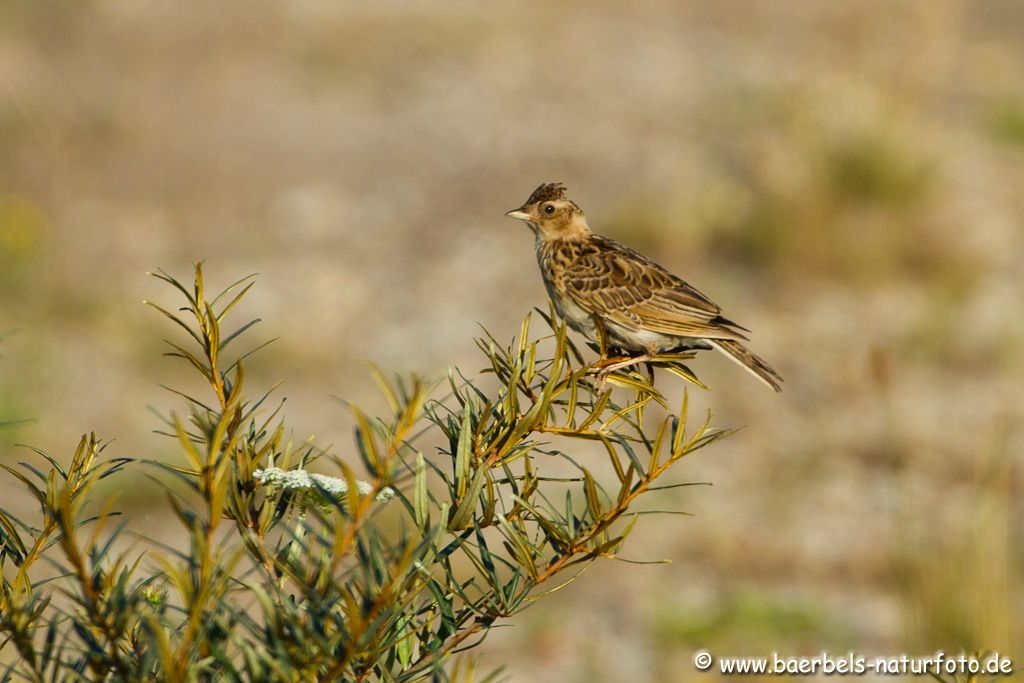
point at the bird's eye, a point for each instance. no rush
(549, 209)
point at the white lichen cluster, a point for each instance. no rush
(301, 480)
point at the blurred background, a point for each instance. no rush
(846, 179)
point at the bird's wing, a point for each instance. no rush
(619, 284)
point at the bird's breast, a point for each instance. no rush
(554, 261)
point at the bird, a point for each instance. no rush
(621, 300)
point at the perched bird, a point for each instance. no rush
(641, 308)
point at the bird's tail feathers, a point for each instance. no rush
(754, 364)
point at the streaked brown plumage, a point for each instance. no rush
(642, 308)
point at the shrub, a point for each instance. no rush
(289, 575)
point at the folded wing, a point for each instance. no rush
(621, 285)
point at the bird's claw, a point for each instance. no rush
(603, 368)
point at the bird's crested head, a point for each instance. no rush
(551, 215)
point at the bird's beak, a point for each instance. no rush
(519, 214)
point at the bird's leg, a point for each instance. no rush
(617, 364)
(647, 357)
(601, 364)
(625, 363)
(605, 368)
(601, 368)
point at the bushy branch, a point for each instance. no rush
(290, 575)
